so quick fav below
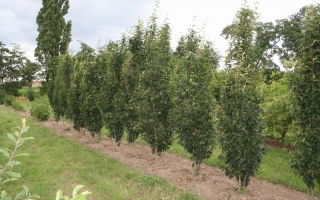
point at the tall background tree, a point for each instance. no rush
(53, 39)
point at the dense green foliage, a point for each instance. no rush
(53, 39)
(278, 109)
(307, 91)
(194, 65)
(154, 91)
(41, 109)
(240, 121)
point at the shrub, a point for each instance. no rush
(41, 109)
(3, 94)
(17, 105)
(12, 88)
(8, 100)
(30, 95)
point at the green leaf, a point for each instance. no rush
(81, 197)
(75, 190)
(9, 179)
(11, 137)
(13, 163)
(21, 194)
(59, 194)
(5, 152)
(22, 154)
(13, 174)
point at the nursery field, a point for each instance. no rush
(56, 162)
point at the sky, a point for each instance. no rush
(97, 21)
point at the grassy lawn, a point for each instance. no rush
(58, 163)
(24, 92)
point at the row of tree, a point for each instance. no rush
(140, 85)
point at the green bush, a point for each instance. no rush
(3, 94)
(8, 100)
(30, 95)
(17, 105)
(12, 88)
(41, 109)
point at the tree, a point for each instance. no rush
(62, 86)
(240, 121)
(110, 99)
(265, 44)
(194, 65)
(307, 91)
(53, 39)
(131, 71)
(3, 62)
(154, 88)
(29, 72)
(78, 88)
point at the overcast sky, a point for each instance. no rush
(96, 20)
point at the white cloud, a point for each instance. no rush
(106, 19)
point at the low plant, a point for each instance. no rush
(3, 94)
(17, 105)
(30, 95)
(41, 109)
(7, 175)
(8, 100)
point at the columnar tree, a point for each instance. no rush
(194, 64)
(77, 93)
(111, 101)
(307, 91)
(54, 37)
(240, 122)
(62, 85)
(133, 64)
(154, 89)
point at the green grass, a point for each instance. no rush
(58, 163)
(275, 166)
(24, 92)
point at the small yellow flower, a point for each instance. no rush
(23, 120)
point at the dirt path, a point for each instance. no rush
(211, 183)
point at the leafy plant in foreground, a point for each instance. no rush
(6, 173)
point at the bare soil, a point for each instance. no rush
(211, 184)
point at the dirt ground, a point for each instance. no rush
(211, 184)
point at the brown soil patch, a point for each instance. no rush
(210, 184)
(274, 143)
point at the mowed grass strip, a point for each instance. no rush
(58, 163)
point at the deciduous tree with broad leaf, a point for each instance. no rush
(194, 64)
(241, 126)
